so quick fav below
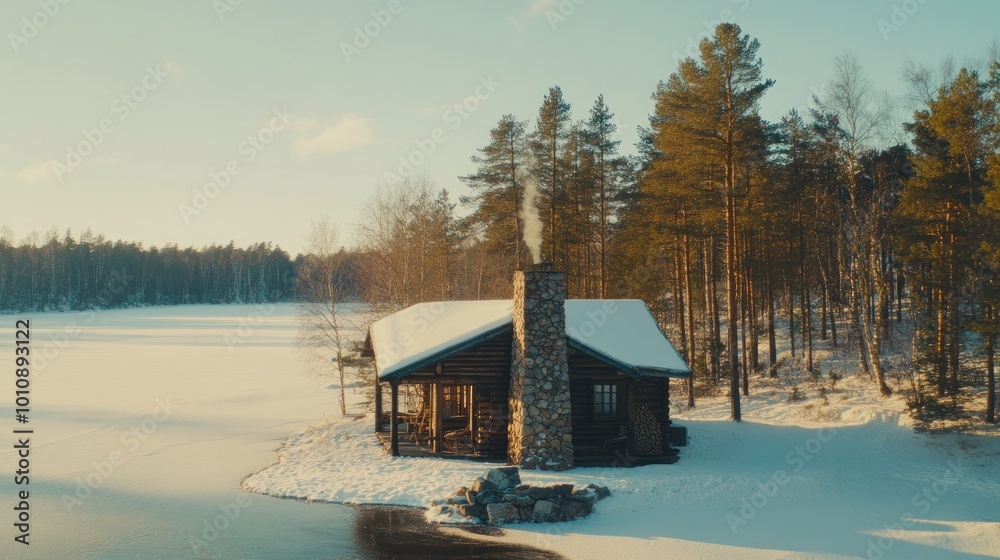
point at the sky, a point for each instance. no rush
(204, 121)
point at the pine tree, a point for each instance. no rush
(939, 216)
(552, 129)
(600, 134)
(498, 189)
(711, 103)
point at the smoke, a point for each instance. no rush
(529, 214)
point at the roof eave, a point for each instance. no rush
(637, 372)
(443, 355)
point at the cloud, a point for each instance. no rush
(41, 172)
(539, 7)
(350, 132)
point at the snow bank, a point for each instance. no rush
(793, 481)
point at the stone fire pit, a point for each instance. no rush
(499, 498)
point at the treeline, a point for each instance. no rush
(89, 271)
(834, 224)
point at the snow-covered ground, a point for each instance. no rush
(844, 477)
(185, 402)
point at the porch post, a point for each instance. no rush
(378, 406)
(472, 416)
(665, 420)
(438, 413)
(630, 411)
(394, 419)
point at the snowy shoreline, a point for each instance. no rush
(850, 466)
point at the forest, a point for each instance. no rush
(840, 225)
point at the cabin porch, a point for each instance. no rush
(448, 418)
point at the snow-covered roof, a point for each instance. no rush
(624, 333)
(620, 332)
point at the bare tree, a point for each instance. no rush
(857, 116)
(324, 319)
(408, 245)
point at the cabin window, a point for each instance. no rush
(456, 400)
(605, 400)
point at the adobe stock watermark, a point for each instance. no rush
(923, 501)
(32, 25)
(247, 151)
(225, 7)
(693, 47)
(121, 109)
(562, 12)
(453, 115)
(900, 16)
(211, 530)
(132, 440)
(246, 326)
(370, 30)
(797, 459)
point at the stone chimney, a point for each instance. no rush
(540, 431)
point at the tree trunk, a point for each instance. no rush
(881, 319)
(804, 297)
(772, 347)
(710, 312)
(732, 287)
(939, 346)
(679, 301)
(690, 309)
(991, 394)
(716, 315)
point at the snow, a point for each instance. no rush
(625, 331)
(805, 480)
(244, 407)
(410, 336)
(146, 420)
(622, 330)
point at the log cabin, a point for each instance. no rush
(538, 381)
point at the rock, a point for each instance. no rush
(481, 484)
(470, 496)
(601, 491)
(519, 500)
(542, 511)
(459, 500)
(562, 490)
(504, 478)
(461, 491)
(476, 510)
(502, 513)
(540, 492)
(526, 513)
(575, 509)
(489, 497)
(584, 495)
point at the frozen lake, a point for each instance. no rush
(146, 420)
